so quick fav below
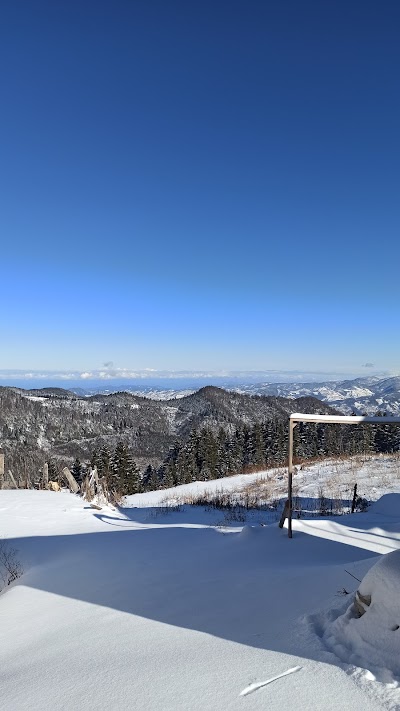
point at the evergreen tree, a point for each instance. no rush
(192, 457)
(53, 473)
(257, 446)
(171, 475)
(77, 471)
(147, 477)
(235, 452)
(246, 447)
(386, 436)
(155, 481)
(222, 454)
(95, 460)
(124, 472)
(103, 464)
(208, 455)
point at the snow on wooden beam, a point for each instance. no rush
(344, 419)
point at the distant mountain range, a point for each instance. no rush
(52, 423)
(59, 424)
(360, 395)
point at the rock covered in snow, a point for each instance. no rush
(381, 585)
(361, 603)
(368, 633)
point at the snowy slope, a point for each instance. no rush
(118, 610)
(374, 474)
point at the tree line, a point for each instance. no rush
(209, 454)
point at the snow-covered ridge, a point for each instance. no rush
(360, 395)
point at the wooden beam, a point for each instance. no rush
(344, 419)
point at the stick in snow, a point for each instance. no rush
(353, 576)
(260, 684)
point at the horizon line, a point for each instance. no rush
(125, 374)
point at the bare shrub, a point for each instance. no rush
(361, 504)
(323, 503)
(297, 506)
(236, 513)
(10, 567)
(212, 499)
(166, 508)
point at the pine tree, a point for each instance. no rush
(222, 454)
(386, 436)
(268, 436)
(95, 460)
(124, 472)
(104, 465)
(155, 480)
(192, 457)
(77, 471)
(170, 465)
(208, 455)
(53, 474)
(257, 446)
(147, 476)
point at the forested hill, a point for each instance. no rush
(206, 435)
(55, 424)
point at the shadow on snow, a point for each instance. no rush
(249, 587)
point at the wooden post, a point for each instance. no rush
(1, 468)
(292, 425)
(45, 477)
(284, 514)
(353, 503)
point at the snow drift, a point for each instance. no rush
(370, 637)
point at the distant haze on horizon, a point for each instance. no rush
(211, 187)
(170, 379)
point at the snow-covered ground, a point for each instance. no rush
(334, 480)
(127, 609)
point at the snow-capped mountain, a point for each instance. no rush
(361, 395)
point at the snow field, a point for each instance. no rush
(126, 609)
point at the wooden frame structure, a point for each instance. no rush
(327, 419)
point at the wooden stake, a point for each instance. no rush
(292, 425)
(284, 514)
(353, 503)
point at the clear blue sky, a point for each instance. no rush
(200, 185)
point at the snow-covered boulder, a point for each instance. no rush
(368, 633)
(380, 591)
